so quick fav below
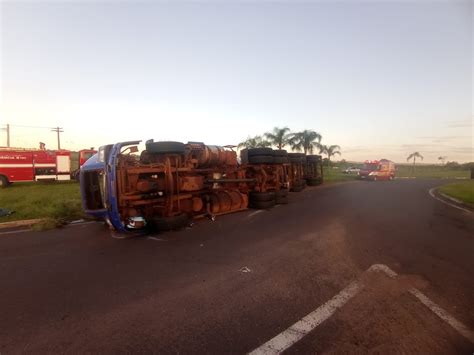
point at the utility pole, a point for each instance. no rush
(58, 130)
(8, 134)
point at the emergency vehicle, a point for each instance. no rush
(377, 170)
(20, 164)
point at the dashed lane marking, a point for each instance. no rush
(297, 331)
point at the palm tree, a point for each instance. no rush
(254, 142)
(278, 137)
(306, 140)
(414, 156)
(442, 159)
(331, 151)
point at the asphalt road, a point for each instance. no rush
(78, 290)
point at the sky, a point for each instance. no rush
(382, 79)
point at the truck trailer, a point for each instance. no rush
(170, 183)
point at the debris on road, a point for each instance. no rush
(4, 212)
(245, 269)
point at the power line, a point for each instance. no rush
(24, 126)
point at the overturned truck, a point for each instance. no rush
(171, 183)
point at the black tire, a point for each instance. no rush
(295, 160)
(281, 193)
(297, 187)
(281, 200)
(280, 160)
(262, 205)
(313, 181)
(165, 147)
(260, 151)
(296, 155)
(170, 223)
(313, 158)
(3, 182)
(261, 159)
(256, 196)
(280, 153)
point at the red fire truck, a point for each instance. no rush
(19, 164)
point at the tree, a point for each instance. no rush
(278, 137)
(306, 140)
(414, 156)
(254, 142)
(442, 159)
(330, 151)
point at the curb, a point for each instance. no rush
(20, 223)
(450, 201)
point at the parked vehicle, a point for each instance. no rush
(20, 164)
(377, 170)
(78, 159)
(171, 183)
(351, 170)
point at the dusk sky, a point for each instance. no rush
(381, 79)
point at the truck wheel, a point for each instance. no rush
(256, 196)
(281, 193)
(170, 223)
(166, 147)
(260, 151)
(297, 187)
(313, 181)
(313, 158)
(280, 153)
(280, 160)
(261, 159)
(263, 205)
(3, 181)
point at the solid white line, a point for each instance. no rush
(298, 330)
(254, 213)
(301, 328)
(441, 313)
(447, 203)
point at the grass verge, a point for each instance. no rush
(335, 175)
(463, 191)
(58, 202)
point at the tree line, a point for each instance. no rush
(307, 141)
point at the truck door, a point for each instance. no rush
(63, 167)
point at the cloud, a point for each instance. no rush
(459, 124)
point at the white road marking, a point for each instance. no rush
(298, 330)
(441, 313)
(301, 328)
(158, 239)
(446, 202)
(254, 213)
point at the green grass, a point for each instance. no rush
(430, 171)
(57, 201)
(463, 191)
(336, 175)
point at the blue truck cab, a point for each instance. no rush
(98, 184)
